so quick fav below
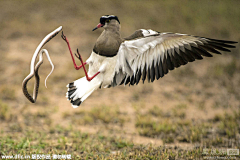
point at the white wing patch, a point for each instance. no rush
(148, 32)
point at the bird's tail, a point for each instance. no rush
(79, 90)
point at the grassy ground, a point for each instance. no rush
(193, 108)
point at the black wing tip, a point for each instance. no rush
(222, 41)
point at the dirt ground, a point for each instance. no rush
(196, 105)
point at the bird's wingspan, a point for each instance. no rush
(152, 54)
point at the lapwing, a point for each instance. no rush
(146, 54)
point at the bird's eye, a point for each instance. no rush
(108, 20)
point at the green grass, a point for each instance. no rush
(36, 134)
(83, 145)
(90, 146)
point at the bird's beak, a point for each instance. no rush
(98, 26)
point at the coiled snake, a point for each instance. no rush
(34, 70)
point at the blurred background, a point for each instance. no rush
(194, 105)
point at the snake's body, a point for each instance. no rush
(34, 70)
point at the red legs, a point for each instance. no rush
(80, 58)
(74, 63)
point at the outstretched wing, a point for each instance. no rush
(150, 54)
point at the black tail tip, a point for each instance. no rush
(76, 102)
(70, 85)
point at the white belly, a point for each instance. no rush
(106, 66)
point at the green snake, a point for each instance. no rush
(34, 70)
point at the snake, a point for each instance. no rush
(34, 70)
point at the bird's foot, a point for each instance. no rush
(64, 37)
(78, 55)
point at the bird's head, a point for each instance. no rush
(106, 20)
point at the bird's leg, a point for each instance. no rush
(74, 63)
(80, 58)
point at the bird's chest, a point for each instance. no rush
(107, 46)
(106, 66)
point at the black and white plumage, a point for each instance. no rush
(146, 54)
(154, 54)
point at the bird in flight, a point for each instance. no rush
(146, 54)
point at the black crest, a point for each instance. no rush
(108, 17)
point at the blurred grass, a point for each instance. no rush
(101, 114)
(202, 17)
(196, 105)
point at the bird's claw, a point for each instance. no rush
(63, 36)
(78, 55)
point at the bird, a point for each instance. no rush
(144, 55)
